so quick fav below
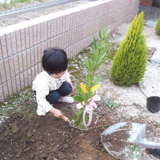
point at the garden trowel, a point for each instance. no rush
(120, 137)
(71, 123)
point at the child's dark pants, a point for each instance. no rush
(54, 96)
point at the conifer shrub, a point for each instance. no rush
(129, 64)
(158, 27)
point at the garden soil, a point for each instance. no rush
(51, 138)
(24, 137)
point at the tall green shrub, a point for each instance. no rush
(129, 63)
(158, 27)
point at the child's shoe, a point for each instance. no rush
(40, 111)
(66, 99)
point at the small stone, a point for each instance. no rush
(65, 146)
(72, 130)
(15, 128)
(43, 156)
(40, 138)
(29, 134)
(55, 150)
(5, 103)
(61, 155)
(11, 156)
(27, 149)
(81, 135)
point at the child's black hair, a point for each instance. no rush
(54, 60)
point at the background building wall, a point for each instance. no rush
(146, 3)
(22, 45)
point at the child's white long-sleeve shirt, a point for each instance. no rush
(43, 84)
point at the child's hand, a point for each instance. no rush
(57, 113)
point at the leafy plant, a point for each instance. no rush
(157, 29)
(111, 104)
(129, 64)
(135, 152)
(87, 94)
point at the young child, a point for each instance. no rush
(53, 84)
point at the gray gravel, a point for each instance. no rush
(24, 17)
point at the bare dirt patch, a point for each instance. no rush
(51, 138)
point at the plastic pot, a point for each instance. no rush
(153, 104)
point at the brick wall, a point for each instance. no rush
(22, 45)
(147, 3)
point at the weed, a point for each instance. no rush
(111, 104)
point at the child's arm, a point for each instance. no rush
(41, 93)
(57, 113)
(69, 80)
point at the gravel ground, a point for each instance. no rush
(27, 16)
(132, 103)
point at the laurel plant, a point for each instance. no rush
(88, 91)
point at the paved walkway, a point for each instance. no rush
(151, 13)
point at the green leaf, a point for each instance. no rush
(90, 76)
(81, 125)
(5, 110)
(78, 98)
(18, 110)
(111, 102)
(107, 101)
(94, 43)
(78, 88)
(30, 106)
(109, 105)
(89, 79)
(97, 80)
(78, 113)
(115, 105)
(76, 122)
(74, 119)
(104, 59)
(96, 55)
(104, 31)
(81, 110)
(106, 48)
(102, 44)
(87, 117)
(100, 35)
(80, 92)
(107, 38)
(108, 32)
(87, 62)
(92, 66)
(101, 57)
(88, 95)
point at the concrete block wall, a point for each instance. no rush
(22, 45)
